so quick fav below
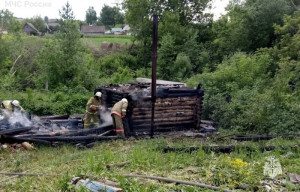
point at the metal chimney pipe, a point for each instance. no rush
(154, 59)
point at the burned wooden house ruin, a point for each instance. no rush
(176, 108)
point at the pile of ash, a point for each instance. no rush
(38, 125)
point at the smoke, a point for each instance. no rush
(139, 95)
(46, 126)
(19, 118)
(105, 117)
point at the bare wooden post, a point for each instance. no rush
(154, 59)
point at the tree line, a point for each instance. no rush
(109, 16)
(246, 61)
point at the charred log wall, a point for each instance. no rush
(175, 108)
(111, 96)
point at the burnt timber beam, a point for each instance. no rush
(54, 117)
(15, 131)
(11, 139)
(76, 138)
(97, 130)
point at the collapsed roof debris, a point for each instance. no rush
(53, 129)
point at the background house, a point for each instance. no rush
(92, 30)
(126, 30)
(53, 22)
(30, 29)
(117, 31)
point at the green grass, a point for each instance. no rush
(223, 170)
(98, 40)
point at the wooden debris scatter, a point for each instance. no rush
(51, 130)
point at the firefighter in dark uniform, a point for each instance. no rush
(92, 111)
(118, 112)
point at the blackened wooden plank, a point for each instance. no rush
(15, 131)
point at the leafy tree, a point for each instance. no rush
(119, 16)
(172, 65)
(5, 17)
(288, 51)
(248, 26)
(69, 37)
(289, 45)
(66, 13)
(177, 19)
(63, 58)
(4, 55)
(197, 54)
(116, 68)
(50, 59)
(230, 89)
(107, 15)
(8, 22)
(190, 11)
(91, 16)
(16, 61)
(263, 15)
(182, 68)
(166, 57)
(110, 16)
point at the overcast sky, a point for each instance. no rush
(50, 8)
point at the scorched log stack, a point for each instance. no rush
(176, 108)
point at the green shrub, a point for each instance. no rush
(116, 68)
(48, 103)
(244, 95)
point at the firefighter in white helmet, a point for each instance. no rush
(8, 107)
(92, 111)
(118, 112)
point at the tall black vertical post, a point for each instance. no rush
(154, 59)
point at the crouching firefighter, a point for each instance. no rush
(92, 111)
(8, 107)
(118, 112)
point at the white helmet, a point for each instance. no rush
(15, 103)
(124, 100)
(98, 94)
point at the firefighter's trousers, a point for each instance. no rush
(118, 125)
(91, 119)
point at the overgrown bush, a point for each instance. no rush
(62, 101)
(243, 95)
(116, 68)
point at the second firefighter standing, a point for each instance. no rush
(92, 111)
(118, 112)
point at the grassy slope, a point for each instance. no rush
(98, 40)
(225, 170)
